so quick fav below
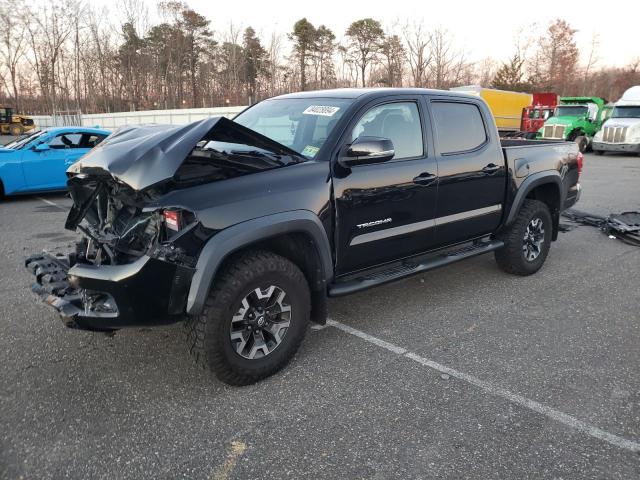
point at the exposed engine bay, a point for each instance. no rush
(115, 227)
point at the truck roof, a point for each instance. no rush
(353, 93)
(568, 100)
(630, 97)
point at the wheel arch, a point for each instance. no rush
(297, 235)
(542, 186)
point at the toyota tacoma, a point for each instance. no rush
(242, 228)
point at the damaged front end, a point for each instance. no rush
(135, 261)
(132, 267)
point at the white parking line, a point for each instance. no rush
(49, 202)
(537, 407)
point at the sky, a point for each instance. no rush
(482, 27)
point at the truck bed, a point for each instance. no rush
(526, 158)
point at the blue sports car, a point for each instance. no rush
(39, 161)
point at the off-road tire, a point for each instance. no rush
(208, 335)
(511, 258)
(16, 130)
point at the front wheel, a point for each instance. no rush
(527, 240)
(254, 319)
(583, 143)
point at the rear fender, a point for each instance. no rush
(530, 183)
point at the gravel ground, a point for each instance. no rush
(84, 405)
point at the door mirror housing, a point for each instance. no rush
(367, 150)
(41, 147)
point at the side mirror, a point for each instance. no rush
(367, 150)
(41, 147)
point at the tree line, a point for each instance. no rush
(69, 55)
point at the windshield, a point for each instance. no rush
(21, 142)
(302, 124)
(626, 112)
(571, 111)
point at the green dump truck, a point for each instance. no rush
(576, 119)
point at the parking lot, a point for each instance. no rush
(464, 372)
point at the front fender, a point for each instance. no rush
(234, 238)
(11, 173)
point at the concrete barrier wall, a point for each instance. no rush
(111, 121)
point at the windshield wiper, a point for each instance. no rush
(277, 159)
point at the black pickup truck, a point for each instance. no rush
(242, 228)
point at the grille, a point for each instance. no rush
(615, 134)
(553, 131)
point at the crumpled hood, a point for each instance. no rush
(141, 156)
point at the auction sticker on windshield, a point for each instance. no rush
(310, 151)
(323, 110)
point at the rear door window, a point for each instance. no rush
(459, 127)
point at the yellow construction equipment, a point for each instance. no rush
(506, 106)
(14, 124)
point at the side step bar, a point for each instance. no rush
(409, 268)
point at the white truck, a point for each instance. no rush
(621, 132)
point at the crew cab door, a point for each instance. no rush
(471, 169)
(385, 211)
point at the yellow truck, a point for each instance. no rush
(506, 106)
(14, 124)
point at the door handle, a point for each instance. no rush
(491, 168)
(425, 178)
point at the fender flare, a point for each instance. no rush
(231, 239)
(531, 182)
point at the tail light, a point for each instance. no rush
(580, 162)
(173, 220)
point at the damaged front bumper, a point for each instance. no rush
(145, 292)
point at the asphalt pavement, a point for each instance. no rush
(463, 372)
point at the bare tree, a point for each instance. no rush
(12, 43)
(418, 53)
(48, 28)
(591, 61)
(448, 63)
(557, 58)
(485, 71)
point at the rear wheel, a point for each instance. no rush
(16, 130)
(254, 319)
(527, 240)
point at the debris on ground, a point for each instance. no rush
(624, 226)
(566, 227)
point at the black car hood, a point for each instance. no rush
(142, 156)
